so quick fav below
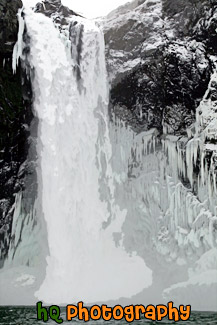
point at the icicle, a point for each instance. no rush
(18, 47)
(43, 4)
(202, 169)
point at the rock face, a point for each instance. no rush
(8, 25)
(55, 9)
(158, 55)
(15, 116)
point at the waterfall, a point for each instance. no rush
(108, 198)
(87, 260)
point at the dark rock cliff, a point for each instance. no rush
(15, 116)
(158, 55)
(8, 25)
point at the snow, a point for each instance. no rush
(19, 283)
(132, 18)
(25, 279)
(202, 282)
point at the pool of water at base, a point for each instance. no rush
(27, 316)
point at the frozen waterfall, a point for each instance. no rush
(116, 212)
(70, 89)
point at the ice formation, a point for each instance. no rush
(168, 185)
(146, 194)
(17, 53)
(75, 187)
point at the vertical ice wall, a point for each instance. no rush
(195, 158)
(170, 220)
(167, 203)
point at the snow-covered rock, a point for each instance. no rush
(158, 60)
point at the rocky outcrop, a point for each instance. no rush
(8, 25)
(15, 117)
(55, 9)
(158, 56)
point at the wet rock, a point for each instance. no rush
(15, 115)
(8, 25)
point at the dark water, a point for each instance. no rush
(27, 316)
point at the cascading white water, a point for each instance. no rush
(173, 218)
(85, 262)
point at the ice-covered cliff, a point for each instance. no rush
(161, 61)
